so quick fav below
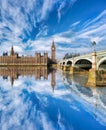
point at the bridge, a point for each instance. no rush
(95, 60)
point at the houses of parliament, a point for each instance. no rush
(37, 60)
(13, 66)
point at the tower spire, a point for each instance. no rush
(12, 81)
(53, 43)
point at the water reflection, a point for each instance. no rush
(101, 78)
(38, 72)
(85, 79)
(48, 99)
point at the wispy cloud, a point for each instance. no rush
(99, 17)
(62, 5)
(47, 7)
(75, 24)
(43, 31)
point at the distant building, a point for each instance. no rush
(38, 59)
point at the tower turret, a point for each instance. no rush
(12, 51)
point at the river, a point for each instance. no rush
(49, 100)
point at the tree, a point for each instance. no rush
(67, 55)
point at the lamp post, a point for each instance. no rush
(94, 56)
(72, 60)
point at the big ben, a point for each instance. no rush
(53, 51)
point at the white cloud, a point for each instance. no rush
(96, 39)
(43, 31)
(47, 125)
(94, 31)
(75, 24)
(62, 5)
(46, 8)
(59, 122)
(99, 17)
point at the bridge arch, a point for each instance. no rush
(90, 60)
(63, 62)
(102, 63)
(83, 63)
(69, 63)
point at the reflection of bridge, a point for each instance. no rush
(96, 97)
(82, 78)
(14, 72)
(86, 61)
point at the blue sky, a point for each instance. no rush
(32, 25)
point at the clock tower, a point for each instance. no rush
(53, 51)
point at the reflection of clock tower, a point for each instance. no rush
(53, 79)
(53, 51)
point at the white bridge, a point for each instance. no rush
(87, 60)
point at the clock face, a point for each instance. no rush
(52, 48)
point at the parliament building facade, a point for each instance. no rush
(38, 59)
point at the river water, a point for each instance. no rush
(51, 100)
